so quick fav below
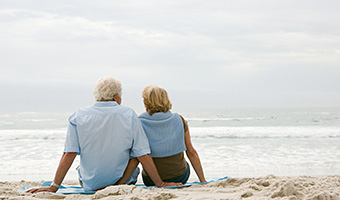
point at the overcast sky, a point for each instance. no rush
(218, 53)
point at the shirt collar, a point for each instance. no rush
(106, 103)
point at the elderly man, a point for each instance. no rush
(108, 137)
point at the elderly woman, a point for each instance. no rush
(169, 137)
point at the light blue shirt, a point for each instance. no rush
(165, 133)
(105, 136)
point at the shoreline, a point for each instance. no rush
(265, 187)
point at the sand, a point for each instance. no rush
(269, 187)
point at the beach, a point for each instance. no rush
(298, 146)
(268, 187)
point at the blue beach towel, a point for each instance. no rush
(188, 184)
(67, 189)
(64, 189)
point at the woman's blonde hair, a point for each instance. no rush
(156, 99)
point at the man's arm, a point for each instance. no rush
(64, 165)
(151, 169)
(132, 165)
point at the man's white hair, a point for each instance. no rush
(106, 88)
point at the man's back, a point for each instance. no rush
(105, 135)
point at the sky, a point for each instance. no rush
(206, 54)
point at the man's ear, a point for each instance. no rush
(115, 96)
(117, 99)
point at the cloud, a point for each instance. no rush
(190, 47)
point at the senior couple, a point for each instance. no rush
(112, 140)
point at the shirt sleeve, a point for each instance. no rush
(72, 141)
(140, 145)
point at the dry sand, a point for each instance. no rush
(269, 187)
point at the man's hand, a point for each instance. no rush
(64, 165)
(165, 184)
(43, 189)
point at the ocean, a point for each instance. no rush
(230, 142)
